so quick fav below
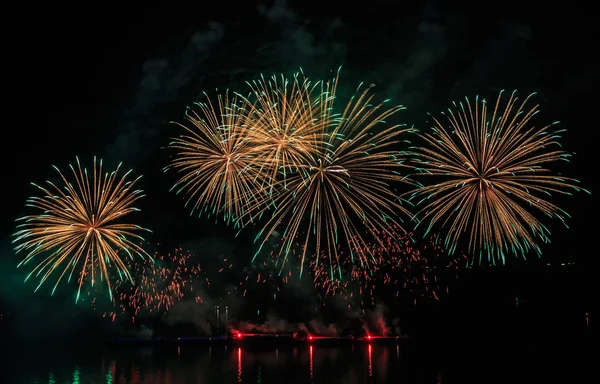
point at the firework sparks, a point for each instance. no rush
(413, 271)
(267, 274)
(284, 125)
(159, 284)
(167, 279)
(347, 181)
(215, 159)
(77, 228)
(491, 165)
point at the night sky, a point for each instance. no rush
(109, 81)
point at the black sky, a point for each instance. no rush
(107, 81)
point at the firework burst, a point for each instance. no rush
(343, 191)
(491, 163)
(215, 158)
(76, 229)
(284, 125)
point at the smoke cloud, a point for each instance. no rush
(374, 323)
(30, 316)
(190, 312)
(380, 321)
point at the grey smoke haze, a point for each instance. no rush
(375, 321)
(143, 332)
(318, 328)
(24, 309)
(167, 84)
(161, 80)
(190, 312)
(405, 69)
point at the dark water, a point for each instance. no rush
(299, 364)
(221, 364)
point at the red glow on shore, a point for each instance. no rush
(371, 337)
(239, 335)
(311, 338)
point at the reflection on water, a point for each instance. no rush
(310, 354)
(370, 360)
(239, 352)
(302, 364)
(313, 364)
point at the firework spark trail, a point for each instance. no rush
(76, 229)
(493, 165)
(215, 157)
(348, 180)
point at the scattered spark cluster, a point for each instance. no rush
(159, 284)
(267, 271)
(419, 272)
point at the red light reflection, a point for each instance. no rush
(135, 375)
(239, 367)
(370, 360)
(310, 360)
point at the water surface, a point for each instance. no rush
(367, 363)
(459, 362)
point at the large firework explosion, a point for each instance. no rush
(326, 175)
(491, 166)
(77, 231)
(216, 158)
(285, 125)
(343, 191)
